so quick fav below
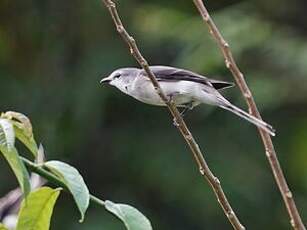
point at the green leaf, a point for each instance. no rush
(27, 140)
(7, 141)
(7, 134)
(2, 227)
(35, 214)
(21, 118)
(132, 218)
(74, 182)
(23, 130)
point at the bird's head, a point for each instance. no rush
(121, 78)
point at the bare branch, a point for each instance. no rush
(180, 124)
(295, 218)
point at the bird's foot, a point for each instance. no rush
(187, 107)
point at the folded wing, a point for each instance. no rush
(167, 73)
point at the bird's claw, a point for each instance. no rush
(186, 108)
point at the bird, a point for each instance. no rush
(185, 88)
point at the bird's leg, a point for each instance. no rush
(183, 112)
(188, 106)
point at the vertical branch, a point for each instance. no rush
(187, 135)
(287, 196)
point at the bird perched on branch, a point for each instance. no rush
(185, 88)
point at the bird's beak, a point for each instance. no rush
(105, 80)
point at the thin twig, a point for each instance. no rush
(53, 179)
(295, 218)
(187, 135)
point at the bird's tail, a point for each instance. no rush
(259, 123)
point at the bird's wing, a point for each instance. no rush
(167, 73)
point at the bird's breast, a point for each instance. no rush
(145, 92)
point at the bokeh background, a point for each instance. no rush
(53, 54)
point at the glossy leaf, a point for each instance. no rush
(7, 134)
(28, 141)
(132, 218)
(74, 182)
(21, 118)
(35, 214)
(23, 130)
(7, 141)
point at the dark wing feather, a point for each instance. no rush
(167, 73)
(217, 84)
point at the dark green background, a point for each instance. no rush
(53, 54)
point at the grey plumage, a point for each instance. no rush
(184, 87)
(165, 73)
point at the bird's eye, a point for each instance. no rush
(117, 76)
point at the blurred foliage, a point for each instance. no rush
(53, 54)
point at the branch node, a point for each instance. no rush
(202, 171)
(230, 214)
(132, 40)
(131, 50)
(120, 29)
(143, 64)
(111, 4)
(206, 17)
(227, 63)
(175, 123)
(268, 153)
(289, 194)
(160, 92)
(189, 137)
(247, 95)
(225, 44)
(292, 223)
(217, 181)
